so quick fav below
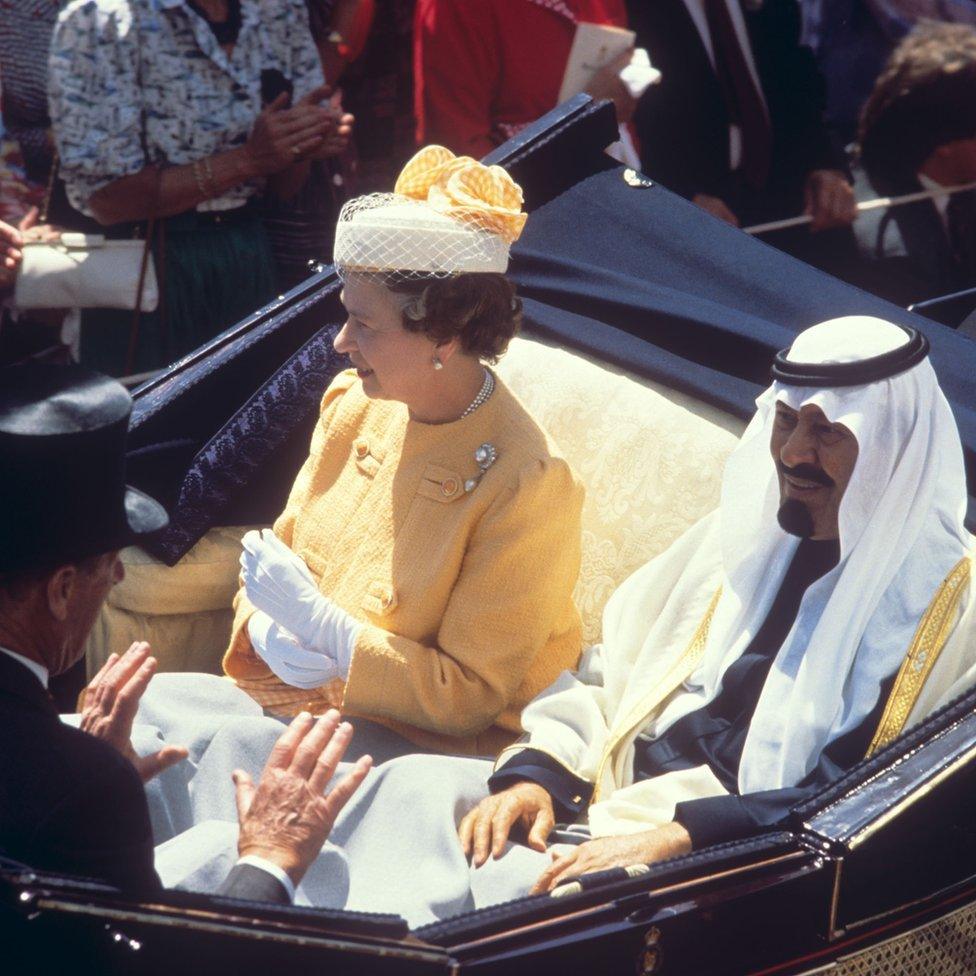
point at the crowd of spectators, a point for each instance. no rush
(227, 133)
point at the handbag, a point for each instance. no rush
(87, 271)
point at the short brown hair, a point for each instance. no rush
(481, 310)
(924, 98)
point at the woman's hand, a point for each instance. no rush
(11, 241)
(648, 846)
(338, 140)
(288, 659)
(336, 143)
(31, 230)
(279, 583)
(282, 136)
(487, 826)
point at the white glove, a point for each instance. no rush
(287, 658)
(279, 583)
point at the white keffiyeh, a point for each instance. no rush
(901, 532)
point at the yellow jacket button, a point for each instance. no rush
(362, 449)
(449, 486)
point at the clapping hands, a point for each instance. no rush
(110, 703)
(307, 130)
(287, 817)
(278, 583)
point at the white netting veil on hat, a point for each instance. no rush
(447, 215)
(385, 233)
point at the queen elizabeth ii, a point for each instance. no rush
(421, 574)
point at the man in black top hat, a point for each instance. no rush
(72, 800)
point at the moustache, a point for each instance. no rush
(806, 472)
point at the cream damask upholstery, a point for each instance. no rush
(183, 611)
(651, 460)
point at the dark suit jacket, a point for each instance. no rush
(682, 122)
(71, 804)
(910, 245)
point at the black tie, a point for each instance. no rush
(743, 101)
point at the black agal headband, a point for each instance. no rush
(853, 374)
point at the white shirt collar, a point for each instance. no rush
(37, 669)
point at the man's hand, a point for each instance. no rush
(716, 207)
(486, 828)
(109, 708)
(606, 83)
(282, 136)
(649, 846)
(829, 199)
(287, 817)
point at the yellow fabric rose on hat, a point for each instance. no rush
(465, 189)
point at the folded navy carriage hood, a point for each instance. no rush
(713, 304)
(609, 264)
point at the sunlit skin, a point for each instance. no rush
(807, 438)
(396, 364)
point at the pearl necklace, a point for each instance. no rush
(487, 388)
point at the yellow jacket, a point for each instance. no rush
(466, 596)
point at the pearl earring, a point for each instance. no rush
(437, 362)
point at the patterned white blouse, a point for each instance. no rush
(134, 82)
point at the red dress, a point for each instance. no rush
(485, 68)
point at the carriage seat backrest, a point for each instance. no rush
(650, 459)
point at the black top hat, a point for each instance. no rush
(63, 495)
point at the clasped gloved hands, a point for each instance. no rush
(302, 635)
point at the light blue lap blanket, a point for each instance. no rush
(394, 847)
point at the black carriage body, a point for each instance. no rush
(875, 875)
(878, 875)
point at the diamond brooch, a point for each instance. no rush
(485, 456)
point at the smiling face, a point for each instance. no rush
(814, 461)
(393, 364)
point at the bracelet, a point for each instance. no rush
(200, 184)
(208, 169)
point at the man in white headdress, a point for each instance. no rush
(785, 637)
(822, 609)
